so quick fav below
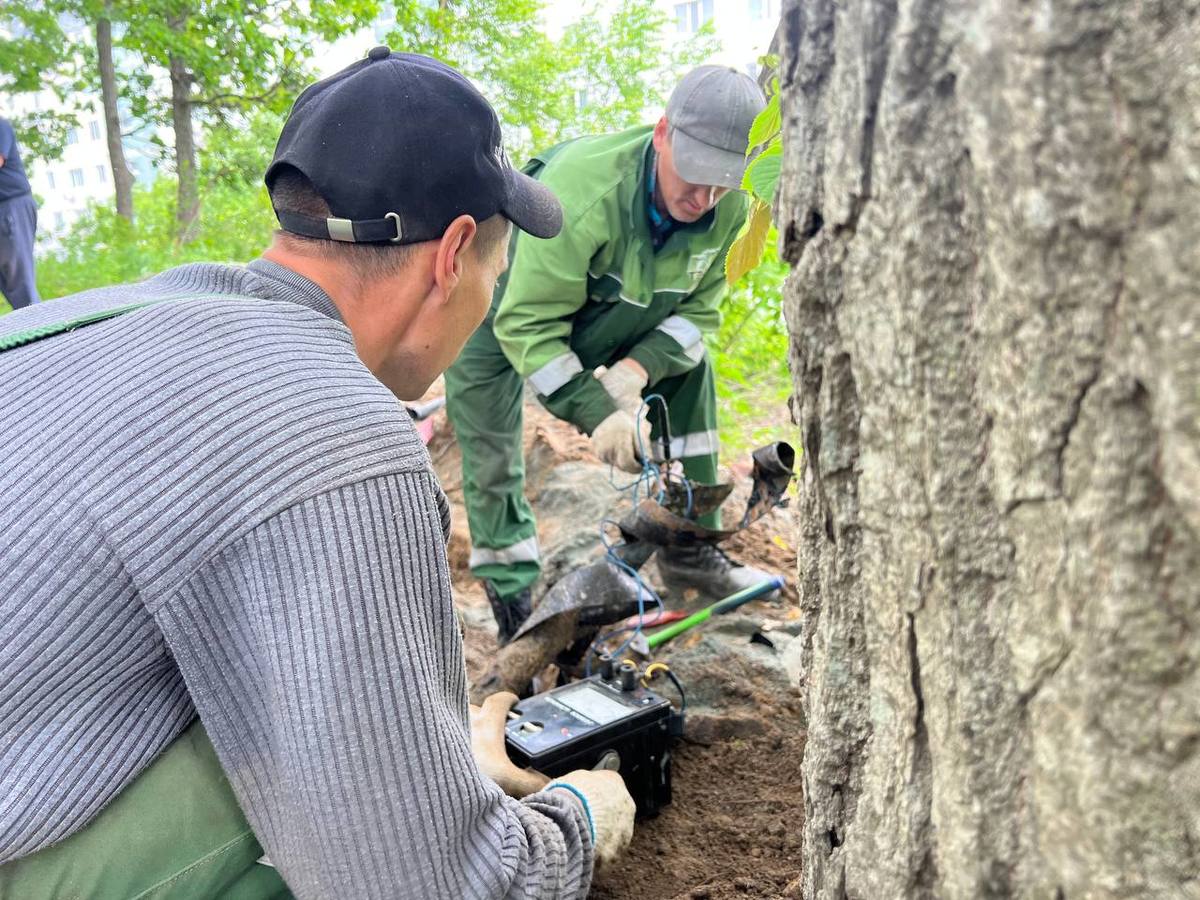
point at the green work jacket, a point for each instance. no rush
(599, 292)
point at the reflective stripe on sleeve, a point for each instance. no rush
(554, 374)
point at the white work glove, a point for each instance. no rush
(615, 441)
(625, 382)
(610, 807)
(487, 746)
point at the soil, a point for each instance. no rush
(732, 829)
(734, 825)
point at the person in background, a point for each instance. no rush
(611, 310)
(18, 224)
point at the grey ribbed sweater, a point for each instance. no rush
(211, 505)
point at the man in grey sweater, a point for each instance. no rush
(214, 504)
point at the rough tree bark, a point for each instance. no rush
(991, 209)
(122, 177)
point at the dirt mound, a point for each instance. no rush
(733, 827)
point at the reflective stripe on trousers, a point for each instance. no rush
(521, 551)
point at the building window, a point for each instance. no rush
(756, 9)
(94, 128)
(77, 177)
(72, 136)
(690, 16)
(59, 221)
(50, 180)
(101, 174)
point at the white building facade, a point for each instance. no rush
(744, 27)
(65, 187)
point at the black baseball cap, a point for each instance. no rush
(399, 145)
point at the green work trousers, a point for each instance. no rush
(175, 833)
(484, 397)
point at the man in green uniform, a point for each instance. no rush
(613, 309)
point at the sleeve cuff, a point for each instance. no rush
(582, 401)
(587, 810)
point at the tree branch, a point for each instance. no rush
(221, 99)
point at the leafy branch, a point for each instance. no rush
(760, 181)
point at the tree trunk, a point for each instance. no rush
(187, 209)
(995, 316)
(122, 177)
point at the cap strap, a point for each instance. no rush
(352, 231)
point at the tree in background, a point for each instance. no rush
(109, 91)
(223, 57)
(36, 55)
(66, 46)
(533, 81)
(603, 74)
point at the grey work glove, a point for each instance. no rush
(487, 746)
(625, 382)
(615, 441)
(610, 807)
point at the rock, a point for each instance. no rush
(734, 687)
(571, 499)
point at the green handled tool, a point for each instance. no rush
(730, 603)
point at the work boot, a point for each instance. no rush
(510, 612)
(707, 569)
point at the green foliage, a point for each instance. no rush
(760, 182)
(762, 175)
(766, 124)
(750, 352)
(621, 66)
(235, 225)
(238, 155)
(36, 55)
(43, 135)
(601, 75)
(498, 44)
(751, 348)
(237, 54)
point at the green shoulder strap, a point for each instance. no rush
(50, 329)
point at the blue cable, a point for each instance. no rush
(652, 473)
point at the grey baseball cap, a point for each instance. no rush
(710, 113)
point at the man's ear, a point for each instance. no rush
(456, 239)
(661, 129)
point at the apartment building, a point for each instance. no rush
(66, 186)
(744, 27)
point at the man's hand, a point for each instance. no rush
(487, 746)
(611, 808)
(625, 382)
(616, 441)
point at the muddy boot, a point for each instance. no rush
(510, 612)
(707, 569)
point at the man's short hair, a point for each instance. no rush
(293, 192)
